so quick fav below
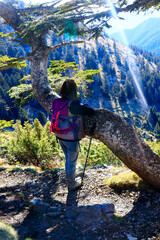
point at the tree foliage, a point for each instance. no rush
(57, 73)
(6, 63)
(141, 5)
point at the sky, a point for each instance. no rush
(130, 21)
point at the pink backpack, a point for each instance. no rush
(65, 127)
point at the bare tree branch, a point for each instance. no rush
(63, 45)
(38, 8)
(144, 4)
(54, 3)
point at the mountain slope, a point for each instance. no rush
(145, 35)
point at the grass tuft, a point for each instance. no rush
(31, 170)
(7, 232)
(16, 169)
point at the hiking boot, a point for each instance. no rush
(76, 184)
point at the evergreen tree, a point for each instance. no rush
(112, 71)
(3, 110)
(105, 88)
(106, 62)
(42, 118)
(116, 89)
(91, 61)
(130, 92)
(117, 55)
(123, 73)
(101, 52)
(122, 95)
(22, 115)
(153, 117)
(69, 56)
(157, 128)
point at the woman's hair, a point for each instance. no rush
(69, 90)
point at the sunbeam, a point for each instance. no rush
(130, 58)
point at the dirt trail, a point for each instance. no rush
(35, 205)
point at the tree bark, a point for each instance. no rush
(39, 78)
(123, 140)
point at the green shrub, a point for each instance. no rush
(155, 146)
(4, 125)
(32, 144)
(99, 154)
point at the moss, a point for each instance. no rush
(127, 180)
(7, 232)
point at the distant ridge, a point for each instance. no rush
(146, 35)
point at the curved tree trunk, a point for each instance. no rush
(122, 139)
(39, 78)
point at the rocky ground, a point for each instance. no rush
(38, 206)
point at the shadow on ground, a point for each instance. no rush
(33, 210)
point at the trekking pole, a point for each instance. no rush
(91, 132)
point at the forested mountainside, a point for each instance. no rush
(146, 35)
(11, 77)
(113, 87)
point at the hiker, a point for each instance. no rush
(68, 126)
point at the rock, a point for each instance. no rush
(89, 214)
(35, 201)
(29, 184)
(3, 196)
(53, 214)
(17, 190)
(107, 208)
(109, 215)
(148, 204)
(38, 205)
(113, 227)
(104, 165)
(130, 237)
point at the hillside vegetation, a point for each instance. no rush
(113, 87)
(34, 145)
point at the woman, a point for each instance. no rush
(70, 146)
